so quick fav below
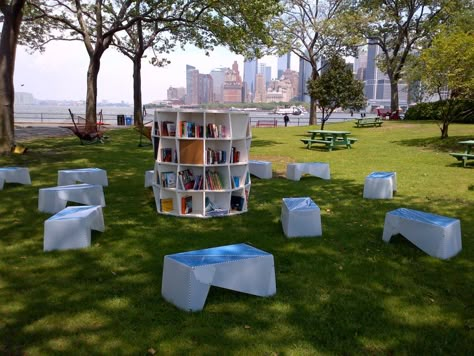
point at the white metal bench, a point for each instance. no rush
(83, 175)
(438, 236)
(71, 227)
(261, 169)
(54, 199)
(149, 178)
(188, 276)
(294, 171)
(19, 175)
(380, 185)
(300, 217)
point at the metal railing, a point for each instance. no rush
(53, 118)
(62, 119)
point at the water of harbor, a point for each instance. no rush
(43, 115)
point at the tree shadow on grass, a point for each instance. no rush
(449, 144)
(256, 142)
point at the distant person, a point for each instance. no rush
(144, 111)
(286, 119)
(352, 112)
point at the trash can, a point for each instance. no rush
(128, 120)
(120, 120)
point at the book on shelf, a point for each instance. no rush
(197, 182)
(166, 205)
(235, 181)
(171, 126)
(214, 180)
(222, 131)
(216, 131)
(234, 155)
(166, 155)
(186, 179)
(183, 131)
(237, 202)
(168, 179)
(212, 209)
(190, 129)
(215, 156)
(186, 204)
(164, 128)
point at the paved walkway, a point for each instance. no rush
(32, 132)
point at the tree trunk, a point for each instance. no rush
(313, 118)
(394, 103)
(444, 129)
(91, 96)
(446, 113)
(322, 124)
(137, 90)
(8, 42)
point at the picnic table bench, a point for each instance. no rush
(308, 142)
(467, 155)
(328, 138)
(368, 121)
(267, 123)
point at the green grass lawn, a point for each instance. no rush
(346, 292)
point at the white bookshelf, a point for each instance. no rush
(210, 144)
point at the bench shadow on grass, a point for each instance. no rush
(346, 290)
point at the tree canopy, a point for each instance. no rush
(335, 88)
(205, 23)
(397, 26)
(239, 25)
(446, 66)
(448, 63)
(314, 30)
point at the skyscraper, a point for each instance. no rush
(218, 77)
(260, 89)
(304, 76)
(268, 75)
(360, 64)
(206, 89)
(284, 63)
(376, 83)
(192, 85)
(233, 85)
(250, 75)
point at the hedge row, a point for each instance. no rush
(459, 111)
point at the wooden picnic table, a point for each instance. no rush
(468, 154)
(369, 121)
(329, 138)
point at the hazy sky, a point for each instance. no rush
(60, 72)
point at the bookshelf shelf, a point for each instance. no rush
(201, 162)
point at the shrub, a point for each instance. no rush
(461, 110)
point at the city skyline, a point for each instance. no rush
(60, 72)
